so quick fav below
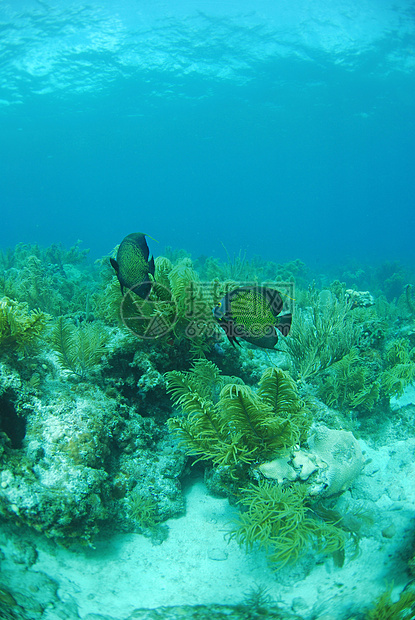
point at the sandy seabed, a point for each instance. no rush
(197, 564)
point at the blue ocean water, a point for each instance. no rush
(284, 129)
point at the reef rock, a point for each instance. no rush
(73, 460)
(360, 299)
(279, 470)
(331, 464)
(339, 457)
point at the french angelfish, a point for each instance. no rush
(252, 313)
(133, 267)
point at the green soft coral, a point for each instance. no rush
(385, 609)
(279, 520)
(237, 425)
(361, 379)
(20, 328)
(401, 372)
(323, 332)
(349, 383)
(79, 348)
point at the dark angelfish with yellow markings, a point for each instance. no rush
(253, 313)
(134, 269)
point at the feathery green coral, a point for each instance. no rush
(359, 380)
(397, 378)
(385, 609)
(239, 425)
(279, 520)
(79, 349)
(401, 371)
(322, 333)
(19, 327)
(143, 509)
(278, 390)
(349, 382)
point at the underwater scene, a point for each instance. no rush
(207, 310)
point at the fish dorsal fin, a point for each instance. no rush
(150, 237)
(140, 241)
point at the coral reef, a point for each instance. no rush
(57, 481)
(54, 280)
(84, 399)
(74, 458)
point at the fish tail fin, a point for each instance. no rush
(284, 323)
